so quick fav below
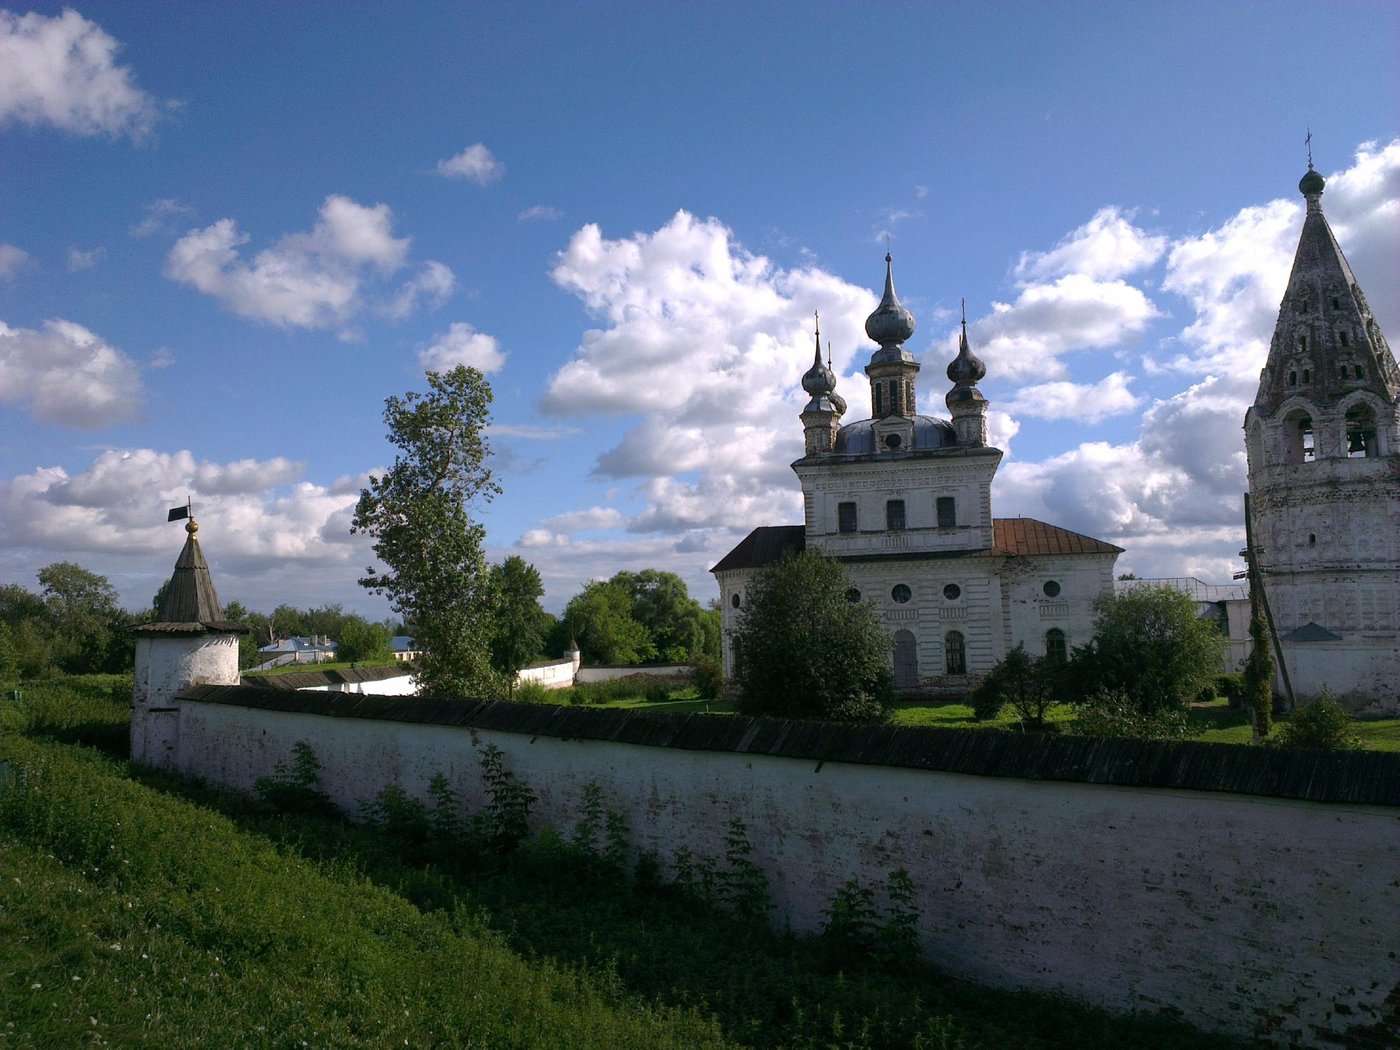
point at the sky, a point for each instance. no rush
(229, 231)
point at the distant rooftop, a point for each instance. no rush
(1197, 590)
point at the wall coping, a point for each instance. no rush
(1355, 777)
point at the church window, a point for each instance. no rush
(734, 601)
(1303, 343)
(1336, 303)
(1343, 337)
(1298, 439)
(1303, 306)
(1305, 438)
(1360, 372)
(852, 595)
(1292, 378)
(1055, 649)
(879, 400)
(1307, 375)
(955, 653)
(901, 593)
(947, 512)
(894, 513)
(845, 517)
(1051, 589)
(893, 441)
(952, 592)
(1312, 539)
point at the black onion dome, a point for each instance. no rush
(818, 380)
(967, 369)
(1311, 183)
(891, 324)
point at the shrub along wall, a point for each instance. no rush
(1251, 891)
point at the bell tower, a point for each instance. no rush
(1324, 474)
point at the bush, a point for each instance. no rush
(1321, 725)
(1026, 682)
(709, 677)
(1230, 686)
(534, 693)
(1114, 714)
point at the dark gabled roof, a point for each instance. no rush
(1311, 632)
(311, 679)
(1026, 536)
(765, 545)
(1362, 777)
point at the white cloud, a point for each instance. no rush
(531, 433)
(61, 71)
(160, 216)
(1081, 402)
(475, 163)
(593, 519)
(462, 344)
(1025, 339)
(1106, 247)
(305, 280)
(434, 285)
(67, 375)
(270, 537)
(540, 213)
(84, 258)
(12, 260)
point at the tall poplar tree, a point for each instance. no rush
(420, 516)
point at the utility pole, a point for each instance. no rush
(1258, 596)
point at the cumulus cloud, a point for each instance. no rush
(1083, 402)
(305, 280)
(12, 260)
(84, 258)
(540, 213)
(1025, 339)
(462, 344)
(589, 520)
(475, 163)
(1106, 247)
(271, 537)
(66, 375)
(62, 72)
(434, 284)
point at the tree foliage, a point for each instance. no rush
(802, 650)
(418, 513)
(1149, 646)
(1321, 725)
(600, 619)
(522, 626)
(638, 616)
(1259, 678)
(1028, 683)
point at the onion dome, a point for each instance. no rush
(891, 324)
(1311, 183)
(967, 369)
(819, 380)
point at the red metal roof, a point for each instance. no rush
(1027, 536)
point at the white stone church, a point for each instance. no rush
(903, 501)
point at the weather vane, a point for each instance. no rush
(1308, 142)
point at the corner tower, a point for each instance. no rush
(189, 643)
(1324, 474)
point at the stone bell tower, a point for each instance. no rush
(1324, 475)
(189, 643)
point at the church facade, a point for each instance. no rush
(1323, 443)
(903, 501)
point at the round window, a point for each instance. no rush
(892, 441)
(853, 596)
(952, 592)
(901, 593)
(1051, 589)
(734, 601)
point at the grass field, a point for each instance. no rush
(139, 911)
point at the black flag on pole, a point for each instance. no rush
(176, 513)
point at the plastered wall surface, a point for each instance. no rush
(1241, 913)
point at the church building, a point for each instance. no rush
(1324, 476)
(903, 501)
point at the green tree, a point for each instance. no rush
(9, 654)
(360, 641)
(1259, 678)
(89, 626)
(600, 619)
(1321, 725)
(662, 604)
(418, 513)
(521, 625)
(802, 650)
(1149, 646)
(1028, 683)
(31, 633)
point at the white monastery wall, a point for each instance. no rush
(1242, 913)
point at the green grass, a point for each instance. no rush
(332, 665)
(140, 911)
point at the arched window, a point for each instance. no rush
(1361, 432)
(955, 653)
(734, 600)
(1298, 439)
(1056, 651)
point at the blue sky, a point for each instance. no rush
(229, 231)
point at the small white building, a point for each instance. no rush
(903, 501)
